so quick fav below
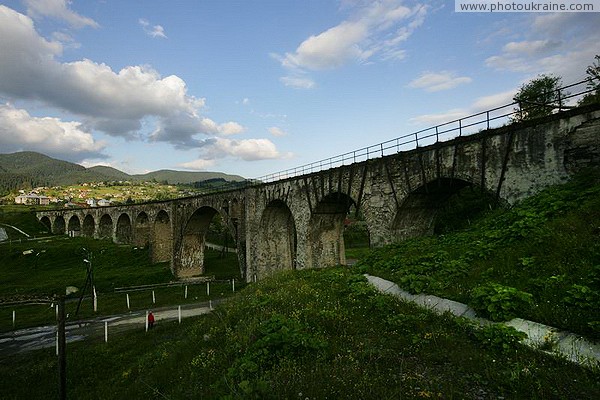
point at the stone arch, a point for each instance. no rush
(418, 212)
(162, 243)
(142, 231)
(277, 240)
(326, 230)
(123, 231)
(191, 252)
(74, 226)
(89, 226)
(45, 220)
(105, 227)
(59, 225)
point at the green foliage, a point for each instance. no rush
(583, 297)
(538, 98)
(498, 336)
(498, 302)
(543, 246)
(593, 73)
(313, 334)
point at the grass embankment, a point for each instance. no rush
(47, 267)
(312, 334)
(539, 260)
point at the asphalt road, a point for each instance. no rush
(29, 339)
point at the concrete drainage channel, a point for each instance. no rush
(573, 347)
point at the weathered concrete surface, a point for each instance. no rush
(299, 222)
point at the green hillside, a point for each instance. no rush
(25, 170)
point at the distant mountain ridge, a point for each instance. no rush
(31, 169)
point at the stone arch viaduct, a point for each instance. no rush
(298, 222)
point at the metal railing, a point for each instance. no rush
(468, 125)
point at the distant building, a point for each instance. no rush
(103, 203)
(32, 199)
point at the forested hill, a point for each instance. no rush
(28, 169)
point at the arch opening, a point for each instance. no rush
(191, 254)
(124, 232)
(45, 220)
(277, 240)
(326, 230)
(59, 226)
(74, 226)
(440, 206)
(89, 226)
(105, 230)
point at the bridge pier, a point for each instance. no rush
(299, 222)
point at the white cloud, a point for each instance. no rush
(112, 101)
(575, 38)
(375, 29)
(246, 149)
(297, 82)
(437, 81)
(480, 104)
(277, 132)
(156, 31)
(198, 165)
(63, 139)
(57, 9)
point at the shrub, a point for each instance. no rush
(500, 337)
(498, 302)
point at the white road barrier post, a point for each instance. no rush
(129, 308)
(146, 320)
(179, 313)
(185, 296)
(105, 331)
(153, 298)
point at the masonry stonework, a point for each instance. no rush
(298, 222)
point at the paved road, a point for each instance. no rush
(24, 340)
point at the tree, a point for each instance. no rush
(538, 98)
(593, 73)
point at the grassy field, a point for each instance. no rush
(46, 267)
(539, 260)
(327, 334)
(312, 334)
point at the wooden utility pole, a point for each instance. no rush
(62, 350)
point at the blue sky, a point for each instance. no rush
(254, 87)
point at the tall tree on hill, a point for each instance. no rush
(593, 73)
(539, 98)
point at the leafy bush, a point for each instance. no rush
(499, 302)
(499, 336)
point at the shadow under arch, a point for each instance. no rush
(74, 226)
(105, 227)
(423, 210)
(45, 220)
(123, 232)
(277, 240)
(190, 260)
(326, 230)
(59, 226)
(89, 226)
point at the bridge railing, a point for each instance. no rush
(468, 125)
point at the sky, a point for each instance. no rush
(255, 87)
